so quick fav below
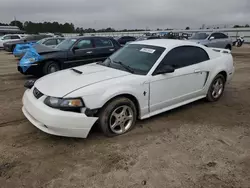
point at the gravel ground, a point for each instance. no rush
(198, 145)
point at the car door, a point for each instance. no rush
(81, 53)
(185, 83)
(223, 40)
(103, 48)
(216, 42)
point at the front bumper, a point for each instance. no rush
(7, 48)
(33, 69)
(54, 121)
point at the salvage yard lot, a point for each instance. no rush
(199, 145)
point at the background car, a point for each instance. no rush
(51, 41)
(10, 46)
(147, 38)
(216, 39)
(69, 53)
(123, 40)
(142, 79)
(9, 38)
(21, 49)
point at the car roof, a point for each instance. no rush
(54, 38)
(165, 43)
(87, 37)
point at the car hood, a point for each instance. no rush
(42, 49)
(64, 82)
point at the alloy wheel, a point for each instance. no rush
(217, 88)
(121, 119)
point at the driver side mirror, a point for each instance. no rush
(164, 69)
(75, 48)
(211, 38)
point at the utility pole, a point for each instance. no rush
(14, 20)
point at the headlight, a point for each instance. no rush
(32, 60)
(59, 103)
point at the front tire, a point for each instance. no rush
(228, 47)
(50, 67)
(13, 48)
(118, 117)
(216, 88)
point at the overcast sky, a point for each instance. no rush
(129, 14)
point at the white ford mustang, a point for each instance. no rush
(141, 80)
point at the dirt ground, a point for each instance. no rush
(198, 145)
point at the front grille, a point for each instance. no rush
(37, 93)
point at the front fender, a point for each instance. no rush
(110, 94)
(98, 98)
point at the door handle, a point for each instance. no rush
(197, 71)
(111, 50)
(90, 52)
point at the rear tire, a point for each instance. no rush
(216, 88)
(12, 48)
(50, 67)
(117, 117)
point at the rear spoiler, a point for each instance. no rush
(224, 51)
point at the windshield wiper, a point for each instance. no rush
(77, 71)
(128, 68)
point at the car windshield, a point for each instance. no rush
(41, 41)
(66, 44)
(136, 57)
(199, 36)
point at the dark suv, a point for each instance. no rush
(69, 53)
(10, 46)
(123, 40)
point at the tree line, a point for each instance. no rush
(55, 27)
(52, 27)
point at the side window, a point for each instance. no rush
(222, 36)
(219, 35)
(213, 35)
(15, 37)
(7, 38)
(84, 44)
(131, 38)
(50, 42)
(102, 43)
(125, 38)
(184, 56)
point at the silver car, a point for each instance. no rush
(216, 40)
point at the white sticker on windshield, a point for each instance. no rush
(73, 40)
(147, 50)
